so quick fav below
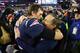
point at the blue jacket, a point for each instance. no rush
(74, 32)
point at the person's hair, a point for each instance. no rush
(34, 8)
(6, 12)
(53, 20)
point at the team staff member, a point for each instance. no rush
(74, 33)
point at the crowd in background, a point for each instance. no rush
(58, 28)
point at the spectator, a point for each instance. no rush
(6, 28)
(74, 33)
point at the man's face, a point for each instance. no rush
(48, 21)
(39, 13)
(77, 16)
